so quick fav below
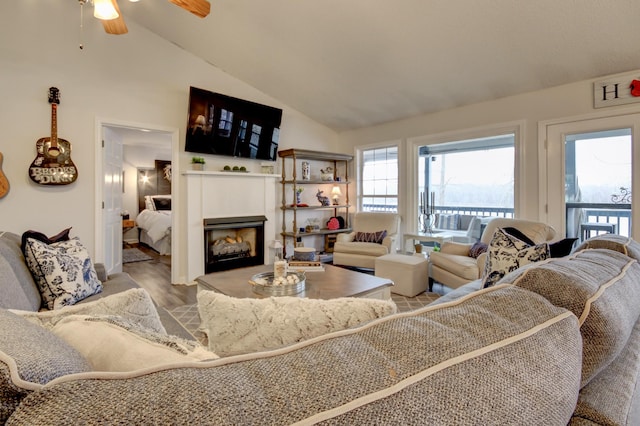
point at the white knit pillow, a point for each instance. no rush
(134, 304)
(112, 343)
(237, 326)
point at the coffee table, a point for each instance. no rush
(334, 282)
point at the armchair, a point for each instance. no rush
(453, 267)
(348, 252)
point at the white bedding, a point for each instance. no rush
(156, 223)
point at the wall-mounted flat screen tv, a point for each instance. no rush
(223, 125)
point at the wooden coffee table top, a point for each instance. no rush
(334, 282)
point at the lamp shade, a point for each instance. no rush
(335, 191)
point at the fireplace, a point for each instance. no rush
(233, 242)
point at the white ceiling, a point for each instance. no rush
(356, 63)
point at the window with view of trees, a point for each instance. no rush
(470, 177)
(379, 179)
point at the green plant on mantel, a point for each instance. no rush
(197, 160)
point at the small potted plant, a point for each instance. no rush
(197, 163)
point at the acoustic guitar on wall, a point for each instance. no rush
(4, 183)
(53, 164)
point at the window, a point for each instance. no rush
(598, 183)
(379, 182)
(470, 177)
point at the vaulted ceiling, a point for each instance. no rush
(355, 63)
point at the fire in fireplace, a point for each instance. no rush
(233, 242)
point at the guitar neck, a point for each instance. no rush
(54, 125)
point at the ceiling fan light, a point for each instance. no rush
(104, 9)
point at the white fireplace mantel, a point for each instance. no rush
(226, 194)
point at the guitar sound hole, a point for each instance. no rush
(54, 152)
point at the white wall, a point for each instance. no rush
(566, 101)
(136, 78)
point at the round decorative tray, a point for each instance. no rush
(263, 284)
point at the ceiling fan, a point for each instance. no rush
(113, 22)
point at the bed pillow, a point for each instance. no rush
(114, 344)
(63, 271)
(161, 203)
(148, 203)
(370, 237)
(508, 253)
(237, 326)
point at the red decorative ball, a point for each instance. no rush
(333, 224)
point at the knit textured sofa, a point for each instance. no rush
(552, 343)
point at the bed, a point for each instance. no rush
(154, 223)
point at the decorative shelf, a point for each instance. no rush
(319, 232)
(290, 177)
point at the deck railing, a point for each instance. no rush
(586, 214)
(618, 215)
(476, 211)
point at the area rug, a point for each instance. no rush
(134, 255)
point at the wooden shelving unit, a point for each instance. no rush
(292, 180)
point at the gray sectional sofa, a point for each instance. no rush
(19, 291)
(553, 343)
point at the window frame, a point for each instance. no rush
(360, 171)
(413, 157)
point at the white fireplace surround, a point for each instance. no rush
(226, 194)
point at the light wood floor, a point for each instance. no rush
(155, 277)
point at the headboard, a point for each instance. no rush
(158, 183)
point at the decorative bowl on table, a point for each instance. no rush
(265, 283)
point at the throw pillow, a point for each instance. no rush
(370, 237)
(238, 326)
(134, 304)
(60, 236)
(448, 221)
(112, 343)
(477, 249)
(474, 230)
(560, 248)
(63, 271)
(508, 253)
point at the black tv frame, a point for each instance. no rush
(223, 125)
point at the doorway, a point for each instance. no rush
(111, 133)
(590, 179)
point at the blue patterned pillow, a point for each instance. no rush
(63, 271)
(507, 253)
(448, 221)
(370, 237)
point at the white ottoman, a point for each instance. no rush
(410, 274)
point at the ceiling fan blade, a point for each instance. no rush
(115, 26)
(199, 8)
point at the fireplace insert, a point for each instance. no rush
(233, 242)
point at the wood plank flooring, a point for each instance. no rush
(155, 277)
